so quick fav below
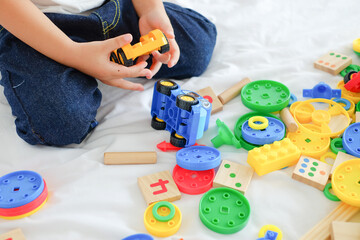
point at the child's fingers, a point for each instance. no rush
(174, 52)
(163, 58)
(155, 67)
(118, 42)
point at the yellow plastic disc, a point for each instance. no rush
(270, 227)
(303, 114)
(355, 97)
(26, 214)
(328, 155)
(345, 182)
(356, 45)
(264, 122)
(162, 229)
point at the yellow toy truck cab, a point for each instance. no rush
(154, 40)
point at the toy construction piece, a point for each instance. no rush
(167, 147)
(351, 67)
(162, 219)
(274, 131)
(351, 139)
(345, 182)
(322, 90)
(224, 210)
(139, 236)
(15, 234)
(356, 46)
(355, 97)
(265, 96)
(225, 136)
(198, 158)
(270, 232)
(293, 99)
(193, 182)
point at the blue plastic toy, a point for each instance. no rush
(293, 99)
(351, 139)
(344, 101)
(322, 90)
(20, 188)
(274, 132)
(198, 158)
(184, 114)
(139, 236)
(270, 235)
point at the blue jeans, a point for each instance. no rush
(55, 104)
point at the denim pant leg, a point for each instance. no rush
(53, 104)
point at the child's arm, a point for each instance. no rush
(25, 21)
(152, 15)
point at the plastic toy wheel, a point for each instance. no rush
(177, 140)
(165, 86)
(348, 76)
(158, 124)
(186, 101)
(118, 56)
(166, 47)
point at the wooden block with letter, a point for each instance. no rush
(345, 230)
(15, 234)
(333, 63)
(159, 187)
(210, 95)
(312, 172)
(114, 158)
(233, 175)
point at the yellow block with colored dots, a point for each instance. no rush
(162, 219)
(345, 182)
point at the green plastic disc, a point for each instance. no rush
(336, 145)
(351, 67)
(224, 210)
(328, 194)
(165, 204)
(265, 96)
(240, 122)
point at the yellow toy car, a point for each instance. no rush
(154, 40)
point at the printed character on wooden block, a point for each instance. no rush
(159, 187)
(312, 172)
(15, 234)
(333, 63)
(233, 175)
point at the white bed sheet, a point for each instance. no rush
(277, 40)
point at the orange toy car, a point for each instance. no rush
(154, 40)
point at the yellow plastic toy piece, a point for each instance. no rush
(270, 227)
(272, 157)
(351, 110)
(26, 214)
(346, 182)
(355, 97)
(159, 228)
(310, 145)
(322, 118)
(328, 155)
(356, 45)
(264, 122)
(303, 113)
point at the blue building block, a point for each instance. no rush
(140, 236)
(198, 158)
(322, 90)
(275, 131)
(351, 139)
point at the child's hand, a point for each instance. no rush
(158, 19)
(93, 58)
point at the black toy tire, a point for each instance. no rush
(186, 101)
(347, 77)
(176, 141)
(166, 47)
(157, 125)
(166, 88)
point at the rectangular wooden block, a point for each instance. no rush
(333, 62)
(159, 187)
(340, 158)
(357, 118)
(217, 106)
(312, 172)
(233, 175)
(233, 91)
(15, 234)
(112, 158)
(345, 230)
(289, 120)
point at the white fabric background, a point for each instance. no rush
(277, 40)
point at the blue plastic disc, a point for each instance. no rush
(344, 101)
(140, 236)
(20, 188)
(274, 132)
(293, 99)
(351, 139)
(198, 158)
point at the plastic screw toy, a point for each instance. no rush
(198, 158)
(265, 96)
(162, 219)
(322, 90)
(154, 40)
(140, 236)
(224, 210)
(225, 136)
(351, 139)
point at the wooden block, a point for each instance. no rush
(15, 234)
(111, 158)
(345, 231)
(209, 94)
(357, 118)
(340, 158)
(233, 91)
(289, 120)
(321, 231)
(233, 175)
(159, 187)
(333, 63)
(312, 172)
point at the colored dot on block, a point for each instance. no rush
(311, 174)
(322, 173)
(333, 66)
(227, 165)
(321, 61)
(313, 169)
(301, 170)
(232, 175)
(238, 184)
(326, 63)
(303, 165)
(315, 164)
(306, 160)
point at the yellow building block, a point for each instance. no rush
(272, 157)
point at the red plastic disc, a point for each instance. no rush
(193, 182)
